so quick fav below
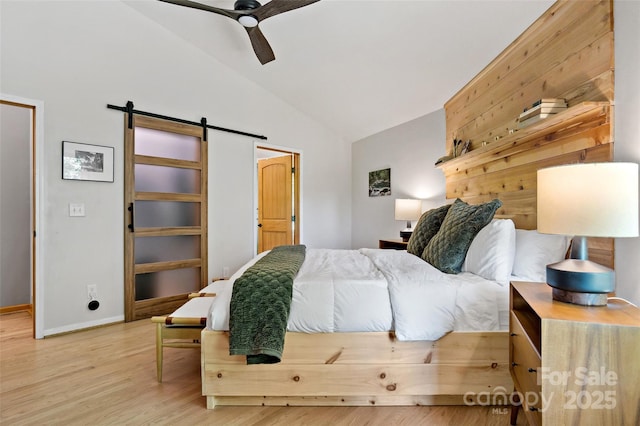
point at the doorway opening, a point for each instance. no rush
(278, 197)
(22, 134)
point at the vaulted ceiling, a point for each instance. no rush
(359, 66)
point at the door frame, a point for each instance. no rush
(36, 149)
(297, 194)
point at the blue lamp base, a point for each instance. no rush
(580, 282)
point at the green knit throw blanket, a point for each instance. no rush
(260, 304)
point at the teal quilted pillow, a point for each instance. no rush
(426, 228)
(448, 248)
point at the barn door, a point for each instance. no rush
(165, 215)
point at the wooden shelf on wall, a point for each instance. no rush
(507, 146)
(506, 168)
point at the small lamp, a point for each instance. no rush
(586, 200)
(408, 210)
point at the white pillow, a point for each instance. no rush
(534, 251)
(492, 251)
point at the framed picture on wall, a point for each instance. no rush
(380, 183)
(81, 161)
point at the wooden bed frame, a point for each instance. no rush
(361, 369)
(460, 368)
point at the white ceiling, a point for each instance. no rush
(360, 66)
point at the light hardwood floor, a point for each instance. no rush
(107, 376)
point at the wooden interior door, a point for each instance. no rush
(165, 215)
(275, 202)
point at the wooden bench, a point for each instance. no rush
(182, 328)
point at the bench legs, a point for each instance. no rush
(159, 348)
(174, 337)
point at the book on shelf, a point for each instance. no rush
(541, 109)
(550, 102)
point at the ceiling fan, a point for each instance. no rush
(249, 13)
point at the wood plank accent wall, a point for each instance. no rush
(567, 53)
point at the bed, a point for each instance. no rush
(415, 336)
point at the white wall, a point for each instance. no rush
(79, 56)
(410, 150)
(627, 131)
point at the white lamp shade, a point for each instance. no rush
(590, 200)
(407, 209)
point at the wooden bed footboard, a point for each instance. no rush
(362, 369)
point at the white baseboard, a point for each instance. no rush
(82, 326)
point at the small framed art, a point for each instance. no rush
(81, 161)
(380, 183)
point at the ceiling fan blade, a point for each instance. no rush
(225, 12)
(260, 45)
(275, 7)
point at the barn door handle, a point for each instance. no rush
(131, 226)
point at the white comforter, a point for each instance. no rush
(378, 290)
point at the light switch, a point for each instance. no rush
(76, 209)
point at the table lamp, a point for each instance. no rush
(586, 200)
(408, 210)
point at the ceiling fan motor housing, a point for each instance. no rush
(248, 20)
(246, 5)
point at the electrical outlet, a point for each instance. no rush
(92, 291)
(225, 272)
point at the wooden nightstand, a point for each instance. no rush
(393, 244)
(573, 364)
